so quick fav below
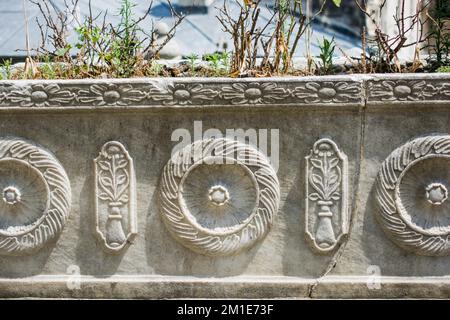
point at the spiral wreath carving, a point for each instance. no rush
(412, 194)
(36, 197)
(219, 196)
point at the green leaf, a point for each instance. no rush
(61, 52)
(337, 3)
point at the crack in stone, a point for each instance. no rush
(338, 254)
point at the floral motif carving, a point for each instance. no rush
(407, 90)
(197, 92)
(327, 216)
(35, 199)
(445, 89)
(40, 95)
(254, 93)
(183, 94)
(328, 91)
(116, 221)
(401, 90)
(111, 94)
(412, 193)
(221, 200)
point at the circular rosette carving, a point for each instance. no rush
(219, 196)
(35, 198)
(412, 193)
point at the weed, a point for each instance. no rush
(445, 69)
(5, 69)
(102, 49)
(192, 58)
(439, 36)
(326, 55)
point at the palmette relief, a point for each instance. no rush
(219, 196)
(115, 201)
(326, 185)
(36, 197)
(412, 193)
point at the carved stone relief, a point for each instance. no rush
(36, 197)
(219, 196)
(165, 92)
(115, 190)
(412, 193)
(326, 216)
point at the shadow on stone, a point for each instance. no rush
(27, 265)
(391, 259)
(90, 256)
(299, 260)
(167, 257)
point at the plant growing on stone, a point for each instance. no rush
(445, 69)
(225, 59)
(93, 42)
(102, 48)
(439, 36)
(192, 58)
(218, 64)
(5, 69)
(55, 28)
(245, 33)
(250, 36)
(213, 59)
(326, 55)
(125, 43)
(153, 47)
(291, 23)
(387, 46)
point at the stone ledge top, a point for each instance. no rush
(318, 91)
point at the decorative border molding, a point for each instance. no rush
(29, 238)
(326, 200)
(226, 240)
(115, 197)
(408, 88)
(348, 90)
(183, 92)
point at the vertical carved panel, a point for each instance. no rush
(115, 197)
(326, 216)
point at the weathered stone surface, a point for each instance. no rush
(367, 117)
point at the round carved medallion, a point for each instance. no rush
(35, 197)
(219, 196)
(412, 193)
